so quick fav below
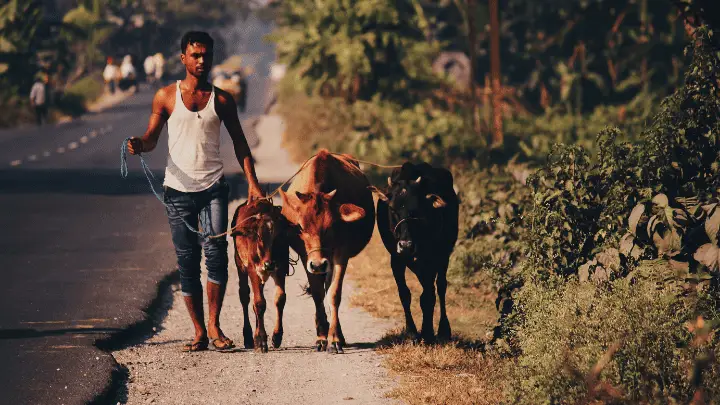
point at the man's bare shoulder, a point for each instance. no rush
(165, 93)
(223, 97)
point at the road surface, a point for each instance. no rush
(83, 251)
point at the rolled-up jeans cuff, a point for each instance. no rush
(218, 282)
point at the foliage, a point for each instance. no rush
(570, 326)
(358, 48)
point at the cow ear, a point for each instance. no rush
(351, 212)
(329, 196)
(379, 193)
(436, 200)
(286, 200)
(303, 197)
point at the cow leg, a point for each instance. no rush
(245, 302)
(427, 305)
(259, 305)
(280, 299)
(444, 332)
(317, 290)
(335, 343)
(398, 268)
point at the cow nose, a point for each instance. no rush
(319, 266)
(404, 246)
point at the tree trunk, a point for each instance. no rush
(472, 47)
(497, 134)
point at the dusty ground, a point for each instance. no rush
(160, 373)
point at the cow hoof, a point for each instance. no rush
(261, 345)
(335, 348)
(428, 339)
(321, 345)
(277, 339)
(444, 335)
(248, 338)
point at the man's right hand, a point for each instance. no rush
(135, 146)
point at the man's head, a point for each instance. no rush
(197, 53)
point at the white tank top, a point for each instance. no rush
(194, 162)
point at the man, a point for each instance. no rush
(38, 98)
(149, 66)
(110, 75)
(194, 182)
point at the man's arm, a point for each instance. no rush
(158, 118)
(227, 110)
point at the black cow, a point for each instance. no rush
(417, 219)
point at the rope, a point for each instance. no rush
(151, 177)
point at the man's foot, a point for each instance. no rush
(197, 345)
(219, 340)
(223, 343)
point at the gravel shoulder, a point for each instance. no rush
(160, 373)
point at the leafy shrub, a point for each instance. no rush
(568, 326)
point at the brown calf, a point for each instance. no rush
(261, 252)
(332, 211)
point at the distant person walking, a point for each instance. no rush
(159, 68)
(195, 186)
(39, 97)
(149, 67)
(111, 75)
(128, 74)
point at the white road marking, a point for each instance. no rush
(46, 153)
(61, 150)
(83, 139)
(73, 145)
(32, 158)
(15, 162)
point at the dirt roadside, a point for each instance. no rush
(159, 373)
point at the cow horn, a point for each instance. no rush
(331, 194)
(418, 180)
(389, 182)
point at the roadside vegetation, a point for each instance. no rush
(70, 41)
(588, 265)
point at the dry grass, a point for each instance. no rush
(456, 372)
(444, 374)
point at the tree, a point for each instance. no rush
(357, 49)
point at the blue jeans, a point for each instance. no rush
(211, 207)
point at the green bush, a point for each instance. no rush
(569, 326)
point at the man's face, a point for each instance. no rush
(197, 59)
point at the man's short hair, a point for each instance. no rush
(196, 37)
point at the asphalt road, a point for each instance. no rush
(83, 251)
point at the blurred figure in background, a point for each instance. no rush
(149, 66)
(39, 98)
(159, 68)
(128, 74)
(110, 75)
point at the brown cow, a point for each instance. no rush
(331, 208)
(261, 252)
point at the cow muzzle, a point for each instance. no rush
(405, 247)
(319, 266)
(265, 270)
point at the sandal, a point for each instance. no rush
(223, 343)
(198, 346)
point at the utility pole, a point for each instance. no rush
(472, 54)
(497, 132)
